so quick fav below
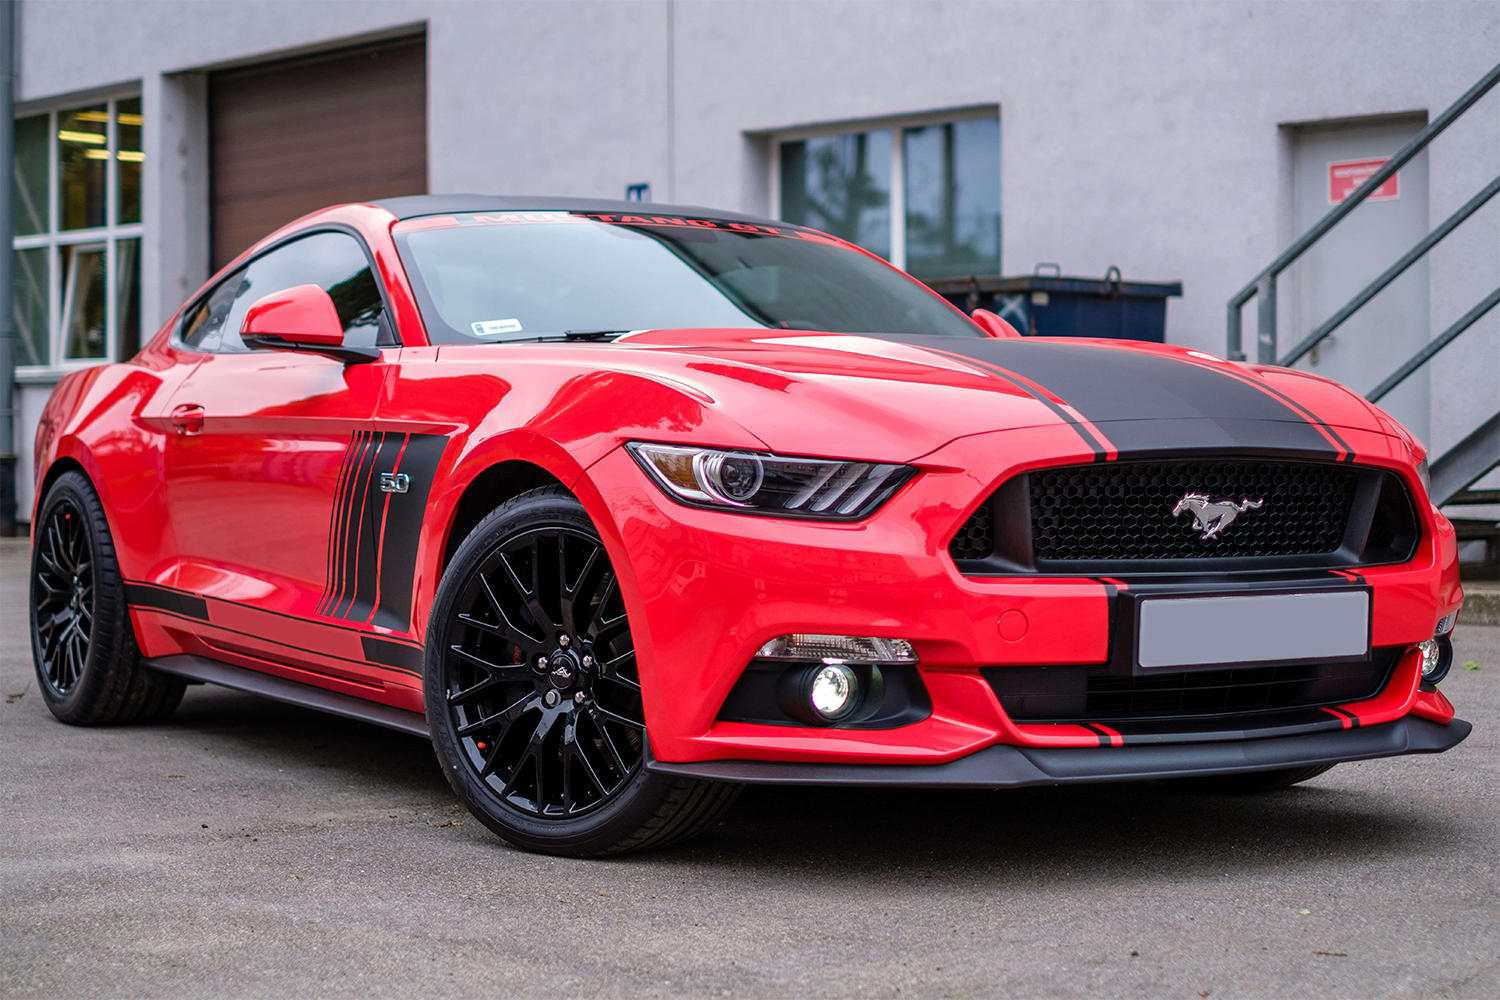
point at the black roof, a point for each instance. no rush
(447, 204)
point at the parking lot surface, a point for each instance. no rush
(245, 848)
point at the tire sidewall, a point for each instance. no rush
(600, 828)
(108, 600)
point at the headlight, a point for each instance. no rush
(760, 483)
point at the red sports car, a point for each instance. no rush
(628, 505)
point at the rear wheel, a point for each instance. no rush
(87, 663)
(533, 696)
(1246, 784)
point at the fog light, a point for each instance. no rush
(1437, 657)
(833, 691)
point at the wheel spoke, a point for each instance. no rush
(610, 671)
(528, 594)
(616, 717)
(494, 668)
(613, 751)
(505, 717)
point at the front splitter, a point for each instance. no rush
(1005, 766)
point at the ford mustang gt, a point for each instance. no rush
(627, 506)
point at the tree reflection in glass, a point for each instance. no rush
(953, 198)
(840, 184)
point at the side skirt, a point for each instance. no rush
(201, 668)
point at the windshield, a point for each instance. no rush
(525, 275)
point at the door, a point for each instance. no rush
(267, 444)
(1329, 161)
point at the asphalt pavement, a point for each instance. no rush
(245, 848)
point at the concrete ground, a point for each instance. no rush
(249, 849)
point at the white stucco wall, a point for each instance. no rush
(1143, 135)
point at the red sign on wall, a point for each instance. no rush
(1345, 176)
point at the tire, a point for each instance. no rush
(82, 642)
(1248, 784)
(551, 756)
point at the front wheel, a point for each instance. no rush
(533, 697)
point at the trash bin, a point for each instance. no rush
(1052, 305)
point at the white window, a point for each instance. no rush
(923, 192)
(76, 201)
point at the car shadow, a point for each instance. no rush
(1009, 837)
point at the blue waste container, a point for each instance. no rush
(1054, 305)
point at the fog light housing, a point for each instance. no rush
(1437, 652)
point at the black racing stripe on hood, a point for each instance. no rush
(1150, 403)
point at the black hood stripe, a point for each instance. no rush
(1096, 442)
(1149, 402)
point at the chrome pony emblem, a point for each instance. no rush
(1211, 517)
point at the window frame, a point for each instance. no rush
(53, 239)
(895, 124)
(387, 316)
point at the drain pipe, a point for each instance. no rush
(7, 256)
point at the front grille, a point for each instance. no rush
(1117, 518)
(1092, 694)
(1124, 512)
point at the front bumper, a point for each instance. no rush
(1004, 766)
(706, 589)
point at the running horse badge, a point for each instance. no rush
(1211, 517)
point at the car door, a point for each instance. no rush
(272, 460)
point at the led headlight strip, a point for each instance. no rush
(752, 482)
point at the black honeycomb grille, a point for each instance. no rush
(1124, 511)
(976, 539)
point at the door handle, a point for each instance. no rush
(187, 418)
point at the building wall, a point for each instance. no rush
(1142, 135)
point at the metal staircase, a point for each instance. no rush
(1456, 470)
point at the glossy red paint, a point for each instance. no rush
(223, 476)
(303, 314)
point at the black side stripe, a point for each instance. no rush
(373, 535)
(148, 595)
(393, 654)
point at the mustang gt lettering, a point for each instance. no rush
(715, 501)
(1211, 517)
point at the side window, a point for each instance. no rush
(334, 262)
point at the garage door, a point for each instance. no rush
(290, 137)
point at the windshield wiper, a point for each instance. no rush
(592, 334)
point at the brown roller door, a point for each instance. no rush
(291, 137)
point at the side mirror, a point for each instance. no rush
(302, 318)
(993, 325)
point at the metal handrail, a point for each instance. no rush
(1436, 344)
(1392, 273)
(1264, 283)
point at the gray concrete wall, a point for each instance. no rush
(1143, 135)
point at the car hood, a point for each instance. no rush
(899, 397)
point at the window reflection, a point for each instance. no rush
(83, 301)
(127, 298)
(29, 183)
(840, 184)
(29, 306)
(82, 159)
(128, 153)
(953, 198)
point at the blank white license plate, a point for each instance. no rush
(1259, 628)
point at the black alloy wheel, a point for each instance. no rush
(82, 640)
(62, 589)
(533, 694)
(541, 686)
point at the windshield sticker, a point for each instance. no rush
(495, 327)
